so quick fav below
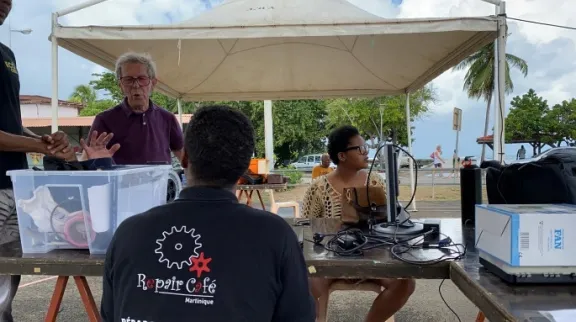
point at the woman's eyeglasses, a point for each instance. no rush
(362, 149)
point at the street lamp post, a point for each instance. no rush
(10, 31)
(22, 31)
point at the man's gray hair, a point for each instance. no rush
(136, 58)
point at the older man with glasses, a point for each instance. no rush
(147, 133)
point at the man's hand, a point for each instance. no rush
(97, 148)
(70, 155)
(57, 143)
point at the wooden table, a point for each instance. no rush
(62, 263)
(375, 263)
(499, 301)
(248, 190)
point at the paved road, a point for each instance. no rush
(425, 178)
(425, 305)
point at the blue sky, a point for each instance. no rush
(548, 51)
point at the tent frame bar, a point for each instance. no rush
(54, 39)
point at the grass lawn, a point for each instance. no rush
(423, 193)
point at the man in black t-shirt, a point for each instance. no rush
(206, 257)
(15, 141)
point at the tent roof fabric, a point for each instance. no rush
(279, 49)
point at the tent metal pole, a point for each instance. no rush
(410, 161)
(54, 100)
(502, 35)
(269, 134)
(179, 104)
(499, 79)
(78, 7)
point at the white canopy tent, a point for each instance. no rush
(284, 49)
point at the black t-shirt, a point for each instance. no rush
(206, 257)
(10, 117)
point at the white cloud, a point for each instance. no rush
(111, 12)
(131, 12)
(555, 89)
(377, 7)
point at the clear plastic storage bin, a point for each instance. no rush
(82, 209)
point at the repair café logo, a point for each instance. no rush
(180, 249)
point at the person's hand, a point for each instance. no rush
(57, 143)
(97, 147)
(69, 155)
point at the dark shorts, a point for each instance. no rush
(437, 165)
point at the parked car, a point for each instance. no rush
(561, 149)
(308, 162)
(403, 158)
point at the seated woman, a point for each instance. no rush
(349, 153)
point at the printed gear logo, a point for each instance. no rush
(178, 246)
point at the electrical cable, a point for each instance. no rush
(543, 23)
(403, 224)
(446, 303)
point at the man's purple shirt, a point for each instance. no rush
(147, 137)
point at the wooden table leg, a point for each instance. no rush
(480, 317)
(249, 197)
(261, 201)
(87, 298)
(56, 300)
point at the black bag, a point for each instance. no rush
(550, 180)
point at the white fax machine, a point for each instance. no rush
(530, 243)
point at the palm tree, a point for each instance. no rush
(84, 94)
(479, 80)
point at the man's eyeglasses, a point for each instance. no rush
(129, 81)
(362, 149)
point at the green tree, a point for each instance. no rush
(107, 83)
(83, 94)
(479, 79)
(528, 120)
(562, 121)
(382, 117)
(299, 126)
(96, 107)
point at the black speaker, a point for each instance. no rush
(470, 194)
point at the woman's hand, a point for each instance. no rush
(97, 147)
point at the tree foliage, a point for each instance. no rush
(531, 119)
(299, 125)
(381, 117)
(479, 79)
(527, 120)
(562, 121)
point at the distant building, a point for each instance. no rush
(35, 106)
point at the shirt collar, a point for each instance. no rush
(207, 193)
(126, 108)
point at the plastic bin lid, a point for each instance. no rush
(116, 171)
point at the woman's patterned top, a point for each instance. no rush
(321, 200)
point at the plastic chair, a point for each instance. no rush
(274, 206)
(343, 286)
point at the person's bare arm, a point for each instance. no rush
(19, 143)
(30, 134)
(179, 154)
